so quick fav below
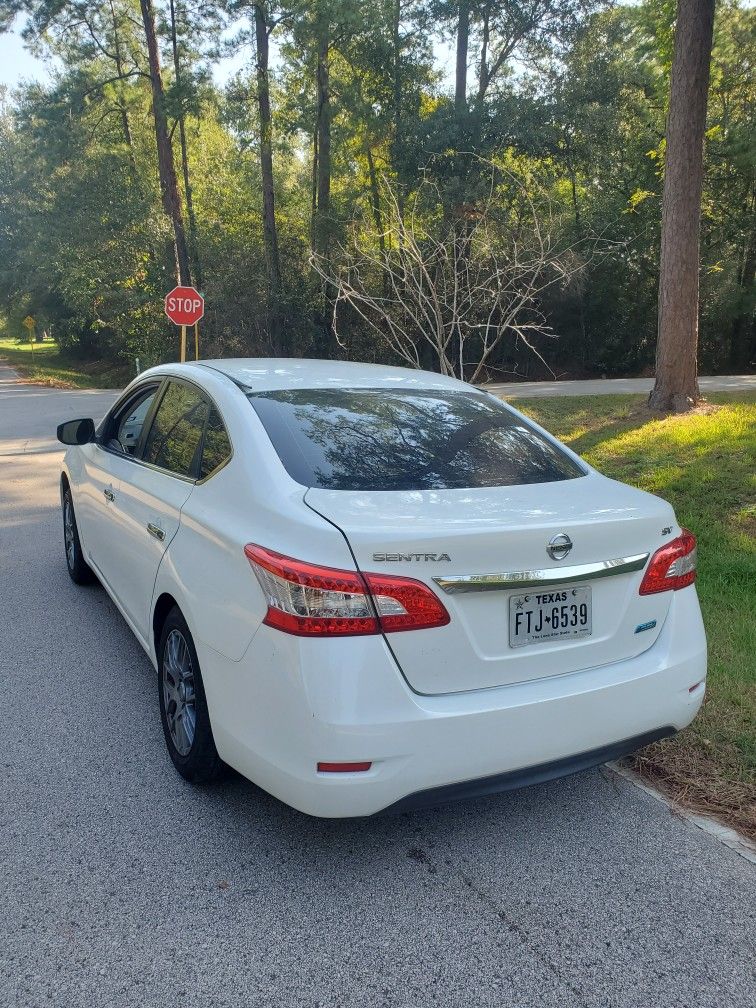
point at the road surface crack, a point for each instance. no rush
(513, 927)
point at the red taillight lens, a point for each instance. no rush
(405, 604)
(671, 567)
(309, 600)
(314, 601)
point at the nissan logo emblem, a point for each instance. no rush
(559, 546)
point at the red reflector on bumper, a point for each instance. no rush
(343, 767)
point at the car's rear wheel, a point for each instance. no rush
(183, 707)
(80, 571)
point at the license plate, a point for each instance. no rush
(559, 614)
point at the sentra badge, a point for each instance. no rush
(408, 557)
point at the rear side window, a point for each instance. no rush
(217, 447)
(396, 439)
(174, 441)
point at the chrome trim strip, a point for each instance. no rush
(533, 579)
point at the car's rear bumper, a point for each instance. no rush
(511, 780)
(292, 702)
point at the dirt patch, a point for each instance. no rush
(645, 413)
(745, 519)
(47, 382)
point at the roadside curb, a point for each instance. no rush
(724, 834)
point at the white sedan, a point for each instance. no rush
(367, 588)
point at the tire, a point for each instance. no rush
(183, 707)
(79, 570)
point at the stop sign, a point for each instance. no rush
(184, 305)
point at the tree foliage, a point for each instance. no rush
(332, 137)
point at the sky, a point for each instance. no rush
(16, 64)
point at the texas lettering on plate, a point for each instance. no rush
(555, 614)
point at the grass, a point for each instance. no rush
(705, 465)
(48, 365)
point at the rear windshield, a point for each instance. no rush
(395, 439)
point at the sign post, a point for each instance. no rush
(30, 324)
(185, 306)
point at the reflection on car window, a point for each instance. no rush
(217, 447)
(175, 437)
(396, 439)
(129, 426)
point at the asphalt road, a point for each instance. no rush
(121, 885)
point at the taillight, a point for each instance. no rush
(405, 604)
(671, 567)
(313, 601)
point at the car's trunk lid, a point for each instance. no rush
(453, 534)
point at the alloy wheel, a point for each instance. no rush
(68, 534)
(179, 698)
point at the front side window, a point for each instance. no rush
(174, 441)
(397, 439)
(126, 426)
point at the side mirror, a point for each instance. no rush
(76, 432)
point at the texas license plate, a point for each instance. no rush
(543, 615)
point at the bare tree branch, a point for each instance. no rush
(457, 282)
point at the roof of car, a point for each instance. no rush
(271, 373)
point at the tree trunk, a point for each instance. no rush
(321, 225)
(122, 109)
(321, 229)
(314, 185)
(270, 231)
(742, 353)
(483, 70)
(166, 168)
(185, 153)
(463, 41)
(375, 206)
(676, 388)
(375, 197)
(396, 144)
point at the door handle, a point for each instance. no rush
(156, 531)
(109, 495)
